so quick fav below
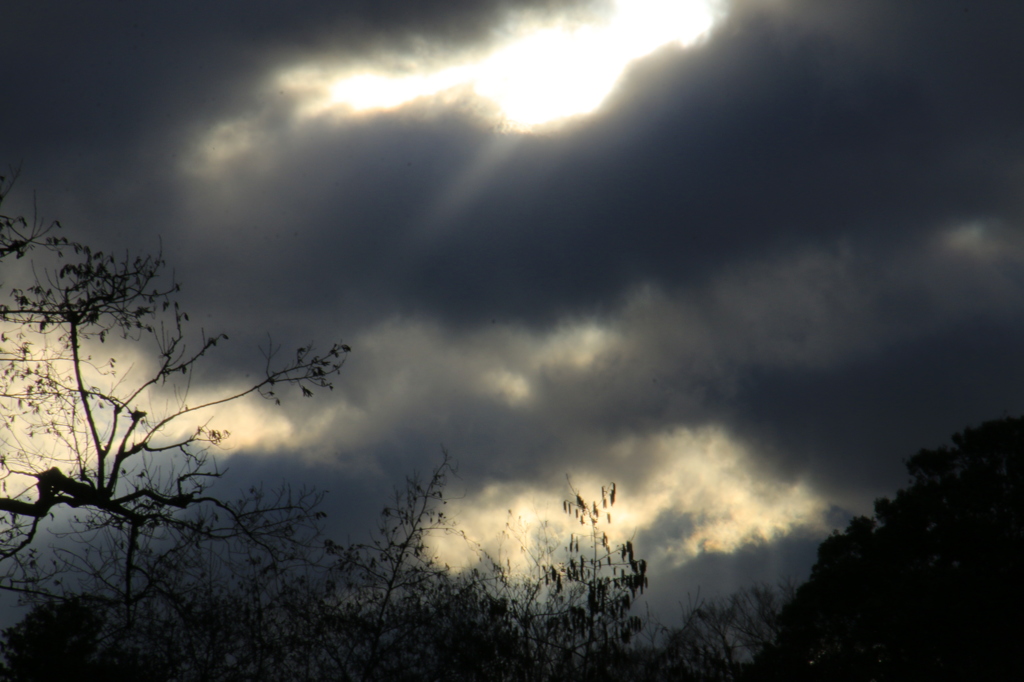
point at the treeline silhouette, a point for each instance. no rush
(929, 588)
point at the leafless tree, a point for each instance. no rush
(720, 636)
(387, 597)
(570, 612)
(93, 449)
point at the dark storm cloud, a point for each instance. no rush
(104, 97)
(769, 136)
(761, 140)
(804, 232)
(115, 68)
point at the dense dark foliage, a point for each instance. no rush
(930, 587)
(62, 641)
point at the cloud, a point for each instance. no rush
(772, 264)
(655, 360)
(702, 476)
(540, 70)
(984, 241)
(788, 126)
(534, 69)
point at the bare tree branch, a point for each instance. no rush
(80, 436)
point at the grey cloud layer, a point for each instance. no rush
(805, 231)
(763, 139)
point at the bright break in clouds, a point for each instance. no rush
(538, 71)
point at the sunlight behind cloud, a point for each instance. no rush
(710, 477)
(701, 475)
(537, 75)
(577, 346)
(984, 241)
(514, 389)
(369, 91)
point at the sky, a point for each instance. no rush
(741, 257)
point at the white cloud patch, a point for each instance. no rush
(701, 475)
(709, 477)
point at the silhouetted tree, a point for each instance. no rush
(386, 600)
(65, 641)
(18, 235)
(385, 610)
(720, 636)
(570, 613)
(222, 607)
(99, 453)
(391, 610)
(929, 588)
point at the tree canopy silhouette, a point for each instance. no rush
(928, 588)
(64, 641)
